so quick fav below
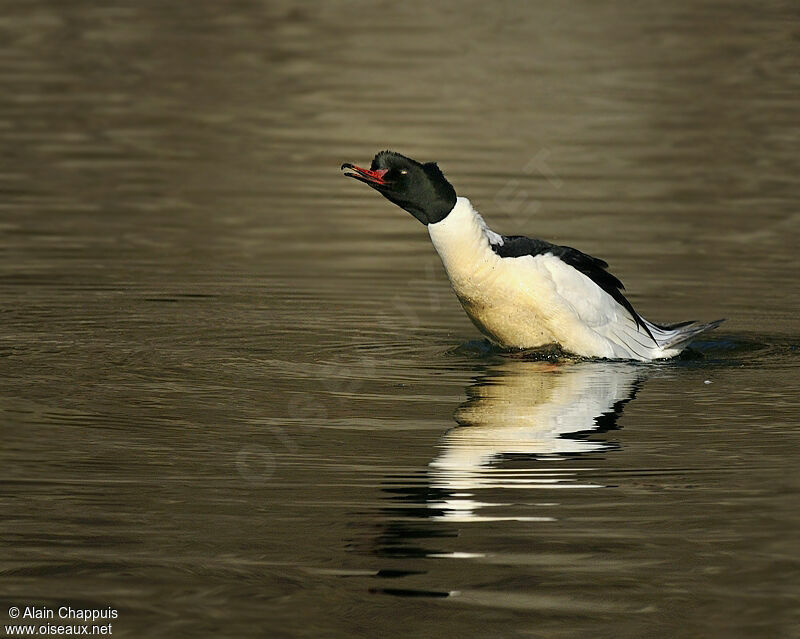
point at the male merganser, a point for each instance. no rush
(521, 292)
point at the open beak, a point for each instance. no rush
(373, 178)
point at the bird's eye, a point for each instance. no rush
(403, 171)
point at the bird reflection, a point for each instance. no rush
(530, 410)
(525, 425)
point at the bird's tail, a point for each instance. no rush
(679, 335)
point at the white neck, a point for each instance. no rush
(463, 229)
(464, 243)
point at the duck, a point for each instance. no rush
(520, 292)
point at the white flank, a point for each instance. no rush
(530, 301)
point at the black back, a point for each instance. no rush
(592, 267)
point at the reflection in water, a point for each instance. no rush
(209, 357)
(528, 409)
(521, 419)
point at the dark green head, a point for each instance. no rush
(420, 189)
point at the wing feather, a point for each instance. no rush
(592, 267)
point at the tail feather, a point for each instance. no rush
(679, 335)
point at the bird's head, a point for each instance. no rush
(420, 189)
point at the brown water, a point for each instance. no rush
(238, 397)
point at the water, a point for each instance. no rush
(238, 397)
